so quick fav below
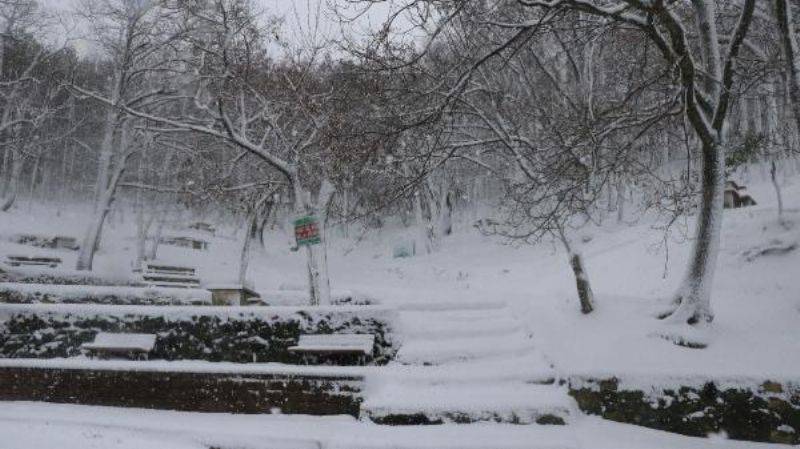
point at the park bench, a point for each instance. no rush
(47, 241)
(132, 346)
(170, 276)
(17, 261)
(359, 345)
(185, 242)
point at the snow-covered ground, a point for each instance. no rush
(25, 425)
(484, 327)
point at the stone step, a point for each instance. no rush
(424, 351)
(505, 402)
(433, 326)
(530, 368)
(439, 306)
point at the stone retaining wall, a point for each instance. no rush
(198, 392)
(765, 411)
(240, 335)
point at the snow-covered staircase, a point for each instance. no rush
(465, 363)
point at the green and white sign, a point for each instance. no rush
(306, 231)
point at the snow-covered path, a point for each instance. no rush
(472, 363)
(26, 425)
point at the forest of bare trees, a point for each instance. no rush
(532, 118)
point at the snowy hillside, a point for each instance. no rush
(502, 323)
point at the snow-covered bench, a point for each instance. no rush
(46, 241)
(17, 260)
(360, 345)
(163, 275)
(134, 346)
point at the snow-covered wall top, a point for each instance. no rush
(184, 312)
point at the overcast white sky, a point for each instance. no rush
(299, 16)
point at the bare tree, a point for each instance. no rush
(687, 39)
(277, 111)
(137, 39)
(26, 100)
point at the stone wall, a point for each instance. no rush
(200, 392)
(766, 411)
(248, 335)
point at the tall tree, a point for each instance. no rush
(136, 39)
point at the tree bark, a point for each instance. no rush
(422, 238)
(152, 252)
(91, 240)
(244, 257)
(693, 298)
(585, 294)
(143, 226)
(319, 287)
(112, 122)
(584, 288)
(783, 14)
(773, 174)
(17, 163)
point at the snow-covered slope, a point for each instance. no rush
(486, 326)
(631, 266)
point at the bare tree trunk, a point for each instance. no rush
(32, 183)
(17, 162)
(143, 226)
(317, 261)
(152, 252)
(422, 234)
(773, 172)
(249, 235)
(693, 298)
(91, 240)
(585, 294)
(5, 175)
(112, 122)
(445, 215)
(783, 14)
(105, 161)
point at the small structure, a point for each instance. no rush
(203, 227)
(404, 248)
(360, 345)
(734, 196)
(17, 261)
(233, 295)
(256, 301)
(184, 241)
(132, 346)
(158, 274)
(65, 242)
(47, 241)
